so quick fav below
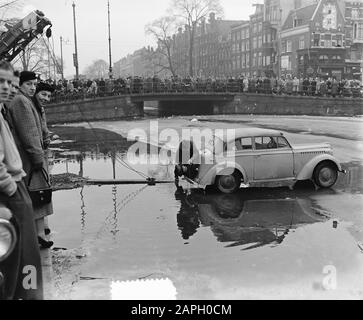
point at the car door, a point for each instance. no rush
(241, 152)
(273, 159)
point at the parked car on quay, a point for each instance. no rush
(8, 240)
(260, 158)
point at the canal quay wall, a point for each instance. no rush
(290, 105)
(99, 109)
(122, 107)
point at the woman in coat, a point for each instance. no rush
(31, 139)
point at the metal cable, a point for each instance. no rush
(117, 209)
(118, 158)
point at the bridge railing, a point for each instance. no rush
(147, 87)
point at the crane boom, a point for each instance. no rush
(21, 34)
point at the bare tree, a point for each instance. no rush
(191, 13)
(38, 57)
(8, 7)
(97, 70)
(162, 30)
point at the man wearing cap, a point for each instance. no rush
(14, 195)
(29, 137)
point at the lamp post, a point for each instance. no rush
(75, 56)
(61, 49)
(109, 41)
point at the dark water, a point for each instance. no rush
(257, 243)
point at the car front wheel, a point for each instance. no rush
(325, 175)
(229, 183)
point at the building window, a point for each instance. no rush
(268, 37)
(358, 31)
(302, 43)
(355, 14)
(268, 60)
(254, 46)
(339, 39)
(297, 22)
(260, 59)
(336, 58)
(316, 39)
(323, 58)
(286, 62)
(260, 27)
(248, 45)
(247, 60)
(254, 60)
(260, 41)
(288, 46)
(327, 40)
(247, 33)
(283, 46)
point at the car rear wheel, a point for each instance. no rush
(325, 175)
(229, 183)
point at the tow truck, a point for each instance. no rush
(16, 36)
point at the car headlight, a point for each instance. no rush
(7, 238)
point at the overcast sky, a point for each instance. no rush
(128, 20)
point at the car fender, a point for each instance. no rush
(223, 168)
(307, 171)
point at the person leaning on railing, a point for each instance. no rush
(138, 85)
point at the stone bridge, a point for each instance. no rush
(131, 106)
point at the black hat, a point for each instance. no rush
(27, 76)
(43, 86)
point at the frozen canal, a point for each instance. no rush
(256, 244)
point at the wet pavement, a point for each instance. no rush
(256, 244)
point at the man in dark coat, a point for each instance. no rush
(306, 84)
(313, 86)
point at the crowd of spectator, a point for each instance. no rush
(66, 90)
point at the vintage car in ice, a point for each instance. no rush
(260, 158)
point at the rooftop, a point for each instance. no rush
(303, 15)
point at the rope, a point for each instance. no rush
(117, 209)
(117, 158)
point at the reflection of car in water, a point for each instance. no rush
(252, 219)
(8, 240)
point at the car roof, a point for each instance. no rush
(253, 132)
